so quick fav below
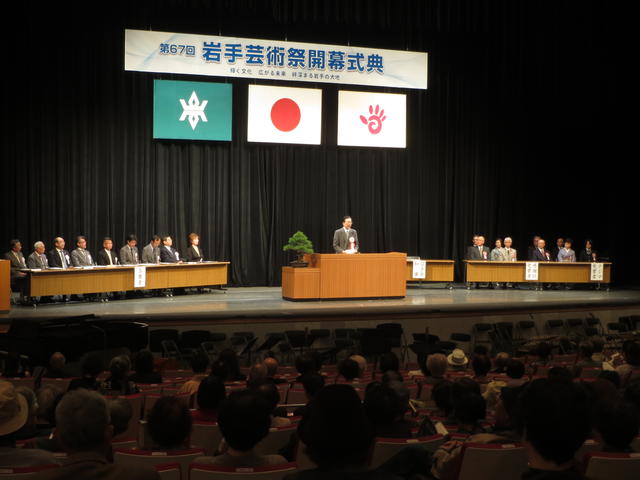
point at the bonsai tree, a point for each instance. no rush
(300, 244)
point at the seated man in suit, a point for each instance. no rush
(58, 256)
(512, 253)
(151, 252)
(540, 254)
(81, 257)
(38, 259)
(478, 251)
(168, 254)
(532, 247)
(129, 252)
(194, 252)
(18, 263)
(345, 239)
(106, 256)
(556, 249)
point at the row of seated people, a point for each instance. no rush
(597, 408)
(503, 251)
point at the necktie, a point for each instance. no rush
(64, 260)
(109, 257)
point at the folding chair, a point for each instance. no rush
(158, 335)
(61, 384)
(169, 471)
(205, 435)
(385, 448)
(152, 458)
(217, 472)
(275, 439)
(492, 460)
(612, 466)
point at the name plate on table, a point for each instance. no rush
(531, 271)
(419, 269)
(597, 272)
(139, 277)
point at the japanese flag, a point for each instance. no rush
(284, 115)
(367, 119)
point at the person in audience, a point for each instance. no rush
(632, 361)
(168, 254)
(30, 428)
(389, 362)
(611, 376)
(107, 256)
(38, 259)
(129, 253)
(272, 370)
(337, 437)
(543, 351)
(585, 352)
(500, 363)
(85, 432)
(199, 365)
(481, 365)
(566, 253)
(632, 393)
(441, 395)
(118, 382)
(80, 256)
(244, 420)
(312, 383)
(362, 364)
(385, 406)
(151, 251)
(469, 409)
(14, 413)
(306, 363)
(194, 250)
(230, 360)
(349, 370)
(560, 373)
(457, 360)
(271, 395)
(616, 426)
(257, 374)
(169, 423)
(145, 370)
(554, 422)
(219, 370)
(588, 254)
(48, 398)
(211, 393)
(120, 413)
(515, 372)
(436, 367)
(57, 367)
(92, 366)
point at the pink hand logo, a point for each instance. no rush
(374, 122)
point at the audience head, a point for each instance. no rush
(306, 363)
(211, 393)
(362, 364)
(199, 362)
(383, 405)
(441, 395)
(119, 367)
(554, 420)
(543, 350)
(481, 365)
(457, 359)
(560, 373)
(220, 370)
(586, 349)
(618, 425)
(244, 419)
(272, 366)
(389, 361)
(257, 374)
(515, 369)
(269, 391)
(312, 383)
(336, 430)
(57, 361)
(230, 359)
(32, 403)
(144, 362)
(169, 423)
(437, 364)
(500, 361)
(48, 398)
(120, 412)
(14, 409)
(469, 408)
(349, 369)
(83, 423)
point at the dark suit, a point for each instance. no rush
(169, 255)
(103, 257)
(56, 261)
(583, 256)
(475, 253)
(341, 239)
(17, 263)
(538, 256)
(192, 256)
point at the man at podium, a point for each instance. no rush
(345, 239)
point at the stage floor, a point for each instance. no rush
(256, 304)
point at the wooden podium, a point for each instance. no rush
(5, 286)
(343, 276)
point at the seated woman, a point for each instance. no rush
(588, 254)
(145, 369)
(566, 253)
(118, 382)
(210, 395)
(169, 424)
(498, 254)
(194, 251)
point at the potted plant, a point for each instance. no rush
(300, 244)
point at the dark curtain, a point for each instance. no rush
(512, 136)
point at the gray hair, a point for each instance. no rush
(82, 418)
(38, 244)
(120, 366)
(508, 238)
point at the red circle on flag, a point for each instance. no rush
(285, 114)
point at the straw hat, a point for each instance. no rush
(457, 358)
(13, 409)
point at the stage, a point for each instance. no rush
(255, 305)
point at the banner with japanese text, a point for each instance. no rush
(178, 53)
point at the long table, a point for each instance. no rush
(437, 271)
(120, 278)
(548, 272)
(342, 276)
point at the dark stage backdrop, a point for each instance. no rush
(513, 136)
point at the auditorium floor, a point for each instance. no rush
(256, 304)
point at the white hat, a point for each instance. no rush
(457, 358)
(13, 409)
